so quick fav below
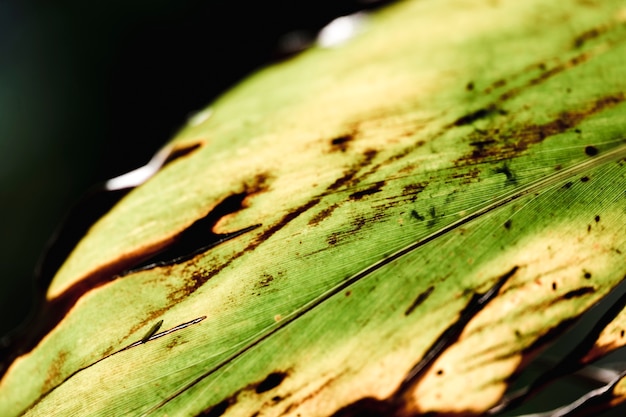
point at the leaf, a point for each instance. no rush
(396, 225)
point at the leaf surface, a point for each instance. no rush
(396, 224)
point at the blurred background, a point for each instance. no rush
(90, 90)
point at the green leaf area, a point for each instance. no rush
(438, 198)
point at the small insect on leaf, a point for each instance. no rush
(152, 331)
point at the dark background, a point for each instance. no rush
(89, 90)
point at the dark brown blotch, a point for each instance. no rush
(417, 216)
(530, 134)
(373, 189)
(586, 36)
(367, 407)
(55, 371)
(270, 382)
(266, 280)
(591, 150)
(341, 143)
(350, 175)
(345, 179)
(419, 300)
(323, 214)
(413, 190)
(218, 409)
(579, 292)
(196, 238)
(470, 118)
(511, 179)
(482, 148)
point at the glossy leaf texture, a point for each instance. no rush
(395, 225)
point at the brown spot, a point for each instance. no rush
(323, 214)
(346, 178)
(270, 382)
(287, 218)
(486, 143)
(406, 151)
(545, 75)
(481, 147)
(218, 409)
(419, 300)
(373, 189)
(466, 176)
(591, 150)
(417, 216)
(584, 179)
(469, 86)
(196, 238)
(554, 286)
(475, 116)
(199, 279)
(477, 302)
(579, 292)
(586, 36)
(341, 143)
(413, 190)
(311, 395)
(265, 280)
(394, 405)
(175, 341)
(511, 179)
(350, 175)
(499, 83)
(432, 211)
(55, 371)
(587, 275)
(53, 311)
(597, 218)
(367, 407)
(507, 224)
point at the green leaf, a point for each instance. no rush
(415, 214)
